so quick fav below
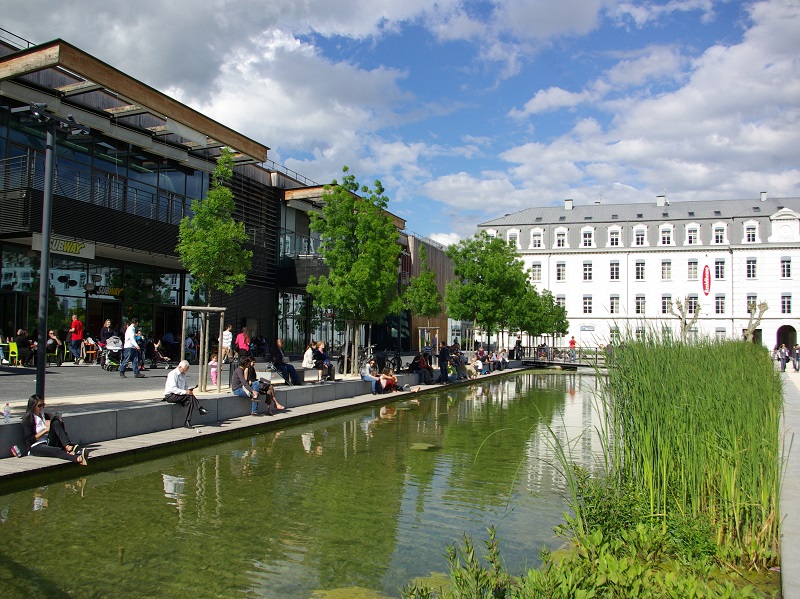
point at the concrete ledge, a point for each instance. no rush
(140, 420)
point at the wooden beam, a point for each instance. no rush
(123, 111)
(60, 53)
(81, 87)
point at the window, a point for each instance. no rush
(536, 239)
(666, 270)
(613, 238)
(513, 238)
(639, 334)
(666, 236)
(719, 234)
(561, 301)
(750, 234)
(587, 238)
(752, 302)
(751, 268)
(638, 237)
(613, 304)
(615, 271)
(587, 304)
(719, 334)
(692, 235)
(666, 303)
(536, 271)
(640, 270)
(719, 304)
(587, 271)
(786, 268)
(691, 273)
(615, 336)
(561, 271)
(691, 304)
(786, 303)
(719, 268)
(561, 240)
(639, 304)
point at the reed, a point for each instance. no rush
(697, 426)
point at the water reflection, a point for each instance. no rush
(365, 499)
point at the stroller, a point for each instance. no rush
(112, 353)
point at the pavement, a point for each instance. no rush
(790, 494)
(71, 388)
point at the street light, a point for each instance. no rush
(52, 123)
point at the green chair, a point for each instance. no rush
(56, 355)
(13, 353)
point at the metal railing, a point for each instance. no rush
(294, 244)
(98, 188)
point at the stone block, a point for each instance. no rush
(91, 427)
(323, 393)
(140, 420)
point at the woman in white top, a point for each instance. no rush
(308, 357)
(45, 435)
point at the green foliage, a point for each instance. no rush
(359, 247)
(489, 278)
(211, 244)
(698, 428)
(422, 296)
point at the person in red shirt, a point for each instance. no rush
(76, 330)
(572, 344)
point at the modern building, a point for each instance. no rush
(623, 266)
(119, 193)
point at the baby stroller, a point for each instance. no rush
(112, 353)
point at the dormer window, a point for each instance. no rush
(587, 237)
(561, 238)
(692, 234)
(513, 238)
(750, 232)
(537, 236)
(640, 236)
(665, 235)
(719, 233)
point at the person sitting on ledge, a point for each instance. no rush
(45, 435)
(243, 386)
(370, 374)
(279, 360)
(175, 391)
(323, 362)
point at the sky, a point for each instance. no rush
(466, 111)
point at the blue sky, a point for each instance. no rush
(470, 110)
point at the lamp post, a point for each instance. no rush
(51, 123)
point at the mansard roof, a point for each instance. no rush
(645, 213)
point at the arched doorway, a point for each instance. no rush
(787, 335)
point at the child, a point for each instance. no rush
(213, 369)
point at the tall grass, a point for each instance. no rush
(697, 428)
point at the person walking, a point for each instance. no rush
(796, 357)
(76, 338)
(227, 342)
(130, 351)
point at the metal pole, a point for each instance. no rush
(44, 264)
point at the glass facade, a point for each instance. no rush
(95, 290)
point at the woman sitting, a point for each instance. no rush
(388, 381)
(244, 383)
(45, 435)
(308, 356)
(323, 362)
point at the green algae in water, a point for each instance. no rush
(421, 446)
(349, 593)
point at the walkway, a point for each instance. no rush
(790, 496)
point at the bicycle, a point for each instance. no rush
(364, 355)
(394, 359)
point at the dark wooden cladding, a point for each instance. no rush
(257, 206)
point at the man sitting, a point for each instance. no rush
(175, 391)
(279, 360)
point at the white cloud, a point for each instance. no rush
(551, 99)
(645, 12)
(446, 238)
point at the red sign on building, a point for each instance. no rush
(706, 279)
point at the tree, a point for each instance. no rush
(681, 311)
(422, 296)
(359, 247)
(488, 279)
(756, 314)
(211, 244)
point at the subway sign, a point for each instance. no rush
(77, 248)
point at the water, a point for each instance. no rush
(367, 499)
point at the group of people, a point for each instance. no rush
(455, 365)
(383, 382)
(317, 358)
(785, 355)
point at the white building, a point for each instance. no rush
(622, 265)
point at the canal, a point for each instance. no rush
(365, 500)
